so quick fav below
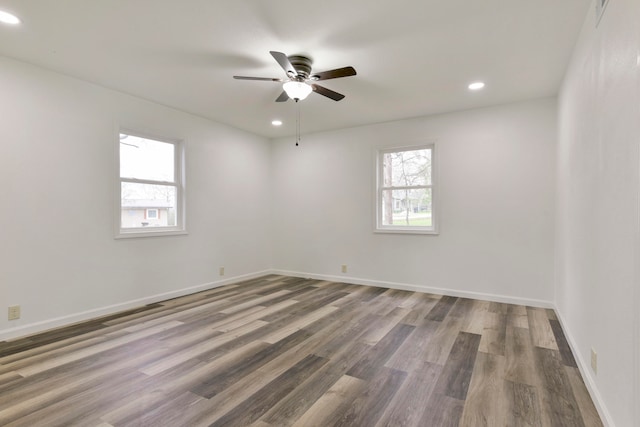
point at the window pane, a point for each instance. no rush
(142, 158)
(139, 199)
(407, 168)
(411, 207)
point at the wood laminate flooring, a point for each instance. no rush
(283, 351)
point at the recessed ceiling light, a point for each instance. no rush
(277, 122)
(8, 18)
(476, 86)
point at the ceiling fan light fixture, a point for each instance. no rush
(297, 90)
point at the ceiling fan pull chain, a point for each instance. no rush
(297, 122)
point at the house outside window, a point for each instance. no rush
(406, 192)
(151, 186)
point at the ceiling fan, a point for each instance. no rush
(299, 82)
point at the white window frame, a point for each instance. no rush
(406, 229)
(178, 183)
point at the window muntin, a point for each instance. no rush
(405, 190)
(151, 192)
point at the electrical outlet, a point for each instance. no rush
(344, 268)
(14, 312)
(594, 361)
(222, 271)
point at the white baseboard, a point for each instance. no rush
(37, 327)
(586, 374)
(419, 288)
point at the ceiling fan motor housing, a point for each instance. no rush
(302, 64)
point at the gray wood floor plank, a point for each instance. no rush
(523, 405)
(368, 407)
(442, 411)
(541, 331)
(563, 345)
(521, 366)
(441, 309)
(494, 333)
(375, 358)
(482, 408)
(587, 408)
(259, 403)
(411, 351)
(558, 394)
(331, 405)
(456, 375)
(295, 404)
(214, 384)
(408, 405)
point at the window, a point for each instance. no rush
(152, 214)
(406, 190)
(151, 196)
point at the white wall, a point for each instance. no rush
(58, 257)
(597, 205)
(496, 182)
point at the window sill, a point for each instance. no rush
(405, 231)
(159, 233)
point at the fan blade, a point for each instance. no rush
(268, 79)
(283, 97)
(327, 92)
(334, 74)
(284, 62)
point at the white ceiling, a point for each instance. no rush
(413, 57)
